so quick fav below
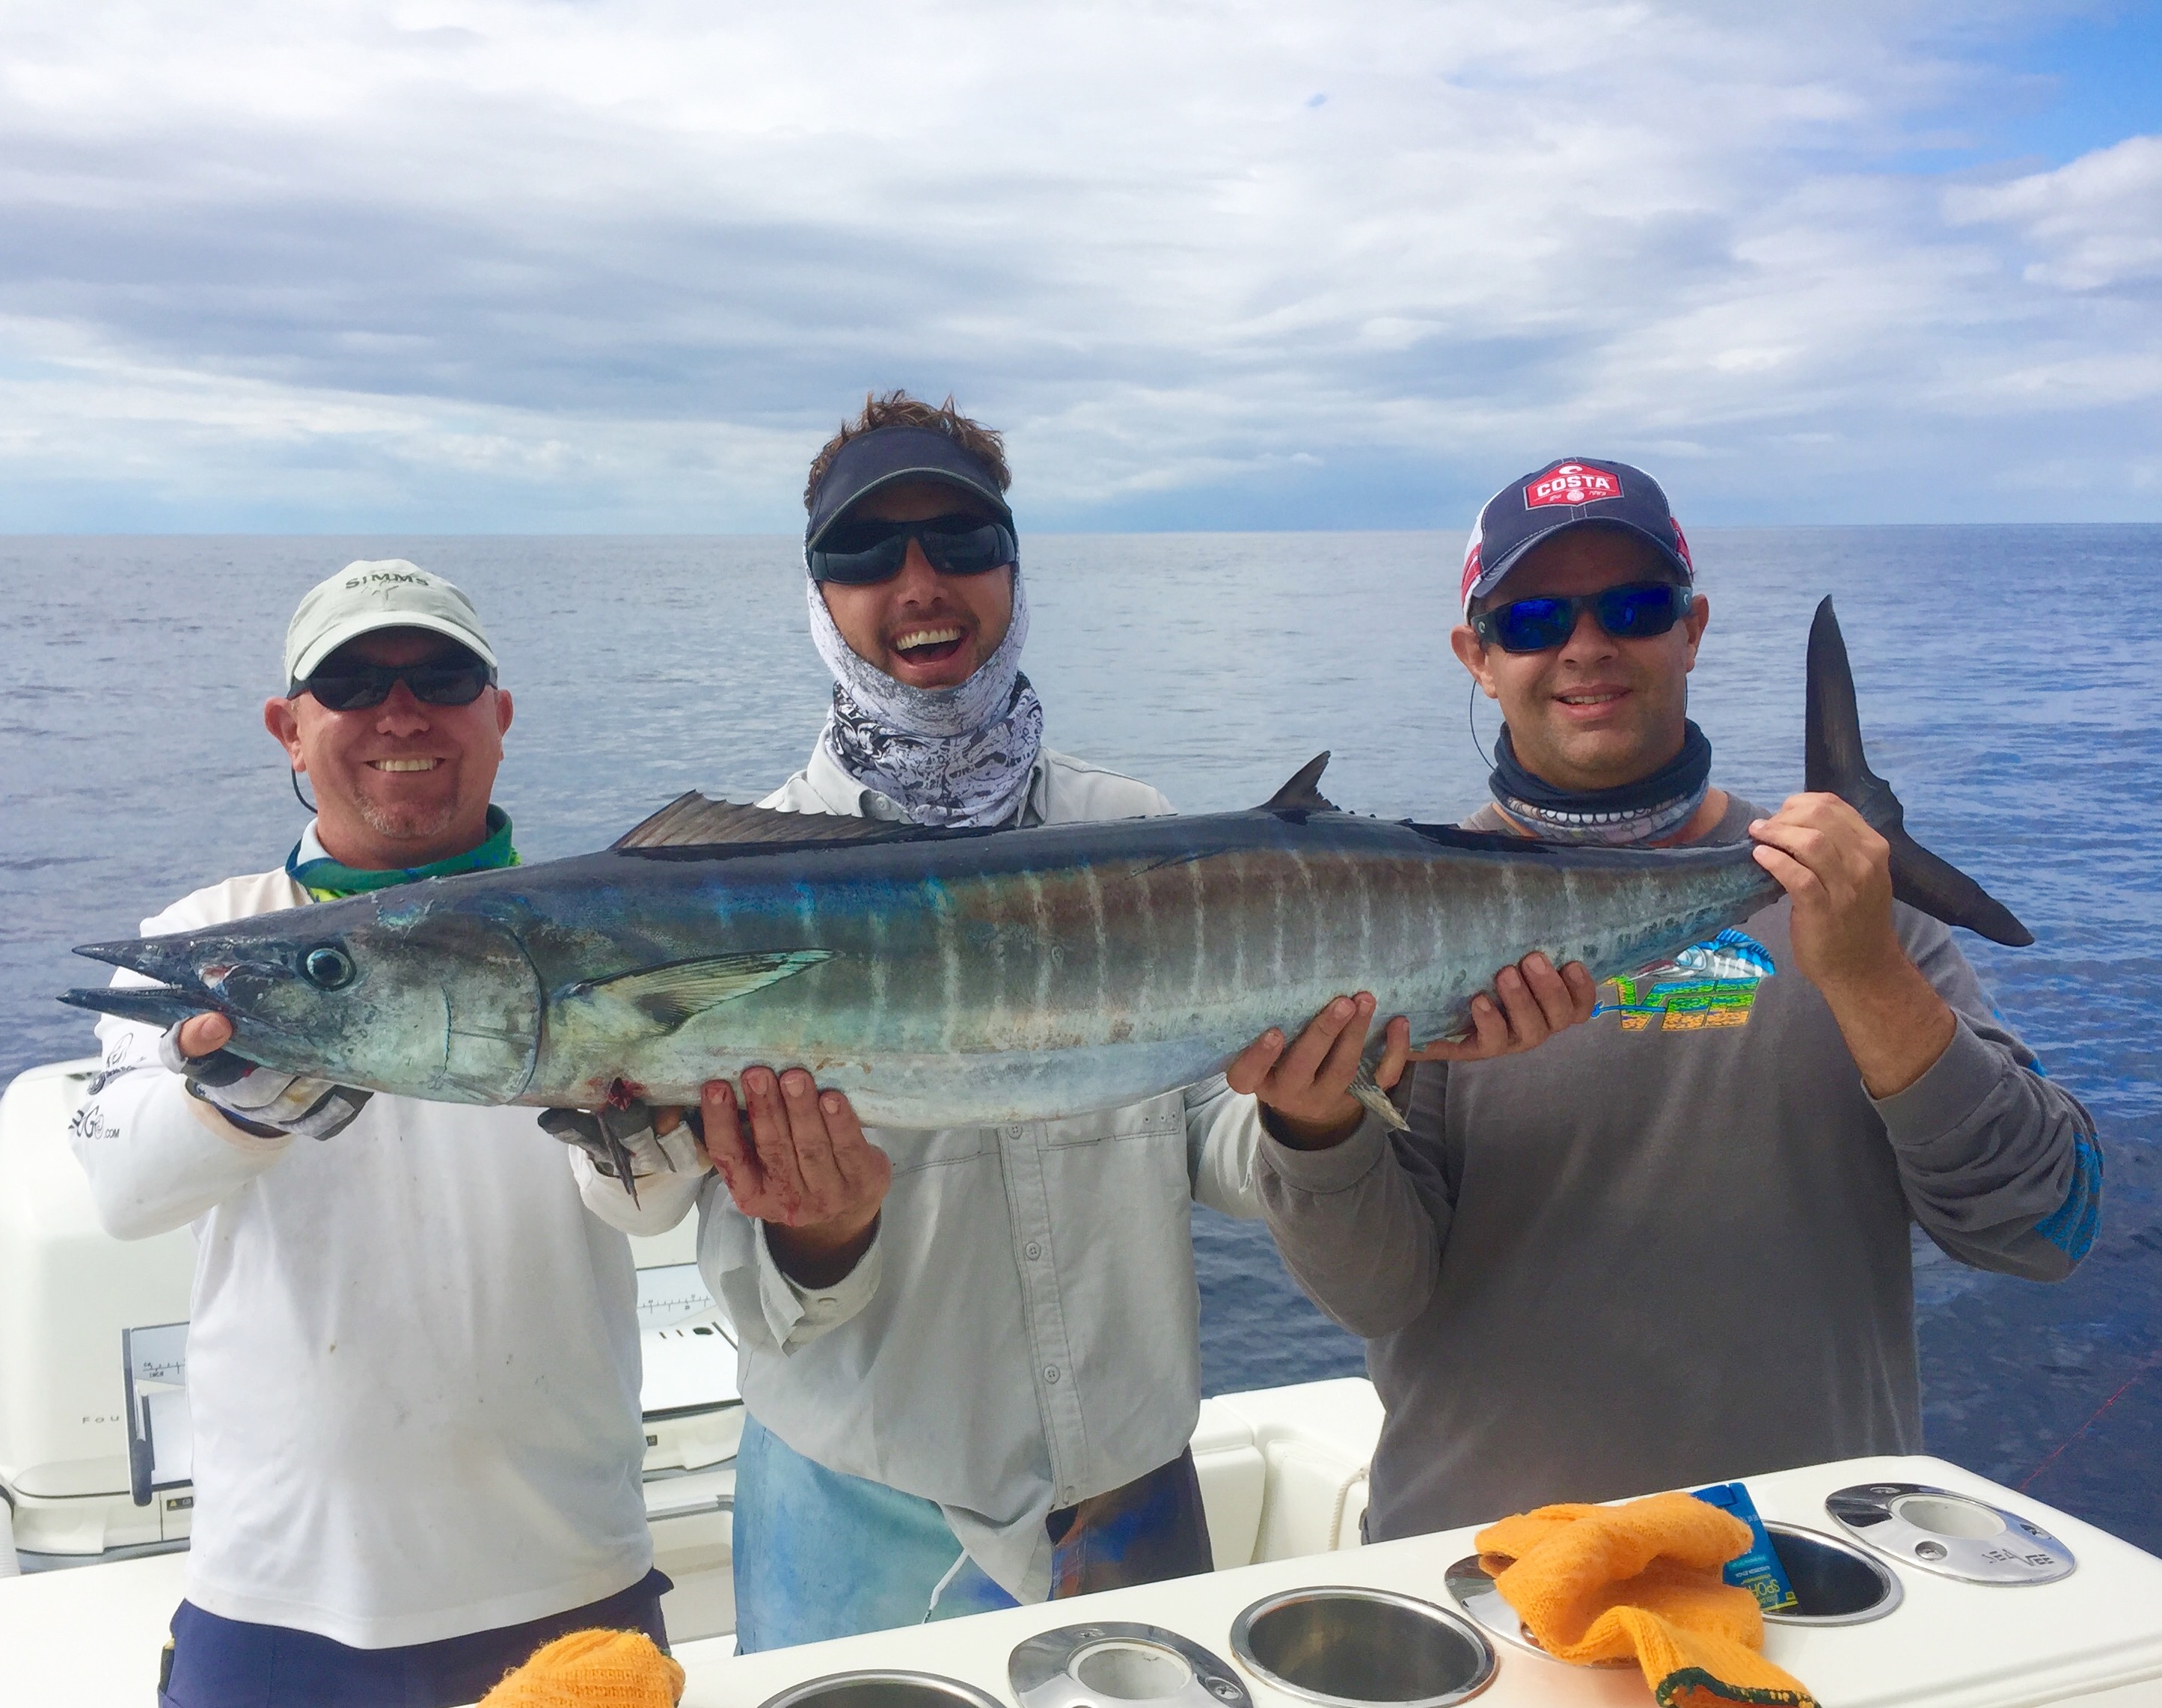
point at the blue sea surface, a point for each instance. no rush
(2009, 679)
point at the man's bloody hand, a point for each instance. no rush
(796, 1159)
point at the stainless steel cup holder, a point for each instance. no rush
(1953, 1535)
(1090, 1666)
(882, 1690)
(1835, 1582)
(1358, 1648)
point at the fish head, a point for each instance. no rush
(398, 992)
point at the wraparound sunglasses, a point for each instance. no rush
(1636, 612)
(351, 687)
(856, 554)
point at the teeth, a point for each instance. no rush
(926, 637)
(403, 764)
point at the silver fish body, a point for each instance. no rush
(1004, 977)
(955, 976)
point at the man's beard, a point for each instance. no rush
(410, 822)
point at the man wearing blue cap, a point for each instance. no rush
(970, 1356)
(1672, 1244)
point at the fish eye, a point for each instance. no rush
(327, 966)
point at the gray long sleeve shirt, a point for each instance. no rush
(1671, 1245)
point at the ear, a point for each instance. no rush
(1700, 614)
(1471, 653)
(502, 712)
(285, 727)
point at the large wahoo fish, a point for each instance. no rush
(941, 977)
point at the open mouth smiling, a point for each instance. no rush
(930, 642)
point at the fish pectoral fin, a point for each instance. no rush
(690, 821)
(668, 995)
(1368, 1091)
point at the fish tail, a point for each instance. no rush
(1836, 765)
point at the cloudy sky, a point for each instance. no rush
(620, 264)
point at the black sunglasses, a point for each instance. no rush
(856, 554)
(1636, 612)
(351, 687)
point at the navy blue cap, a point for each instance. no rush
(1566, 494)
(885, 455)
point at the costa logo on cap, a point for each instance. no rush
(1570, 493)
(1572, 483)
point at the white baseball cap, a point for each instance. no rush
(384, 593)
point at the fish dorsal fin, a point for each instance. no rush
(691, 820)
(668, 995)
(1303, 793)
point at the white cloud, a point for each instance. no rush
(2097, 220)
(497, 263)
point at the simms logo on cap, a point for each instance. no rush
(1572, 483)
(391, 578)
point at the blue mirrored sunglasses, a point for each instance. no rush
(1636, 612)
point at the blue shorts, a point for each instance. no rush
(217, 1663)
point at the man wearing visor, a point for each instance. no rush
(970, 1356)
(1672, 1244)
(413, 1362)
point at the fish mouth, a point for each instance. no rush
(177, 994)
(181, 988)
(152, 957)
(155, 1004)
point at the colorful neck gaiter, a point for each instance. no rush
(946, 756)
(326, 879)
(1636, 812)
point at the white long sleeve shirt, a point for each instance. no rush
(413, 1361)
(1024, 1331)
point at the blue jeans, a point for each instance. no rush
(229, 1664)
(821, 1555)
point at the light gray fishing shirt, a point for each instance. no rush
(1024, 1331)
(1671, 1246)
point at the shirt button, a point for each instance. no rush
(1033, 1250)
(1050, 1372)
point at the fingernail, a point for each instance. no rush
(831, 1103)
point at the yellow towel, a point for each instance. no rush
(592, 1670)
(1642, 1581)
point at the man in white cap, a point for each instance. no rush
(413, 1356)
(970, 1355)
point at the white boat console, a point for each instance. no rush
(1919, 1583)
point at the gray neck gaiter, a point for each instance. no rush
(962, 755)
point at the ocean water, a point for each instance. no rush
(2009, 679)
